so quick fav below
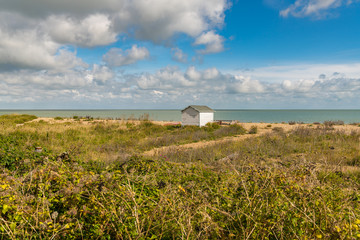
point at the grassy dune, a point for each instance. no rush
(91, 181)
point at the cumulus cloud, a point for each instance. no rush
(211, 73)
(207, 81)
(173, 87)
(117, 57)
(303, 71)
(43, 35)
(242, 84)
(178, 55)
(212, 41)
(90, 23)
(28, 49)
(94, 30)
(317, 8)
(193, 74)
(100, 74)
(157, 20)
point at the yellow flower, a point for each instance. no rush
(181, 188)
(357, 221)
(319, 236)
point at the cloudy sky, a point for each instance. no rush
(130, 54)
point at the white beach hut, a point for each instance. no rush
(197, 115)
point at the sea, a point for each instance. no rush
(242, 115)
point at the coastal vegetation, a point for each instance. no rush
(90, 179)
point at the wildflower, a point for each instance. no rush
(181, 188)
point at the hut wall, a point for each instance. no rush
(205, 118)
(190, 117)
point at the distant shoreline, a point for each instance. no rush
(245, 115)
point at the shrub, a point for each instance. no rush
(253, 130)
(292, 122)
(16, 118)
(231, 130)
(144, 117)
(354, 162)
(275, 186)
(58, 118)
(173, 126)
(211, 126)
(278, 129)
(332, 123)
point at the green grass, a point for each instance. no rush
(15, 119)
(283, 185)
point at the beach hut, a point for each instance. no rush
(197, 115)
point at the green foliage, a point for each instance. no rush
(58, 118)
(212, 126)
(16, 155)
(16, 119)
(355, 161)
(253, 130)
(173, 127)
(91, 182)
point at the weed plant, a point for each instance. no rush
(302, 184)
(13, 119)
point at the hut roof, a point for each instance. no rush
(200, 108)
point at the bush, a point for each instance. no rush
(173, 126)
(354, 162)
(16, 118)
(58, 118)
(332, 123)
(275, 186)
(210, 126)
(278, 129)
(253, 130)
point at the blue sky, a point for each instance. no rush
(265, 54)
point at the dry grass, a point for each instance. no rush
(284, 182)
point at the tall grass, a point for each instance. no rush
(301, 184)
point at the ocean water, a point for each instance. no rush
(270, 116)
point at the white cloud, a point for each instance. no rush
(94, 30)
(302, 71)
(117, 57)
(245, 85)
(178, 55)
(29, 49)
(158, 20)
(192, 73)
(212, 41)
(211, 73)
(155, 20)
(170, 86)
(35, 34)
(100, 74)
(317, 8)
